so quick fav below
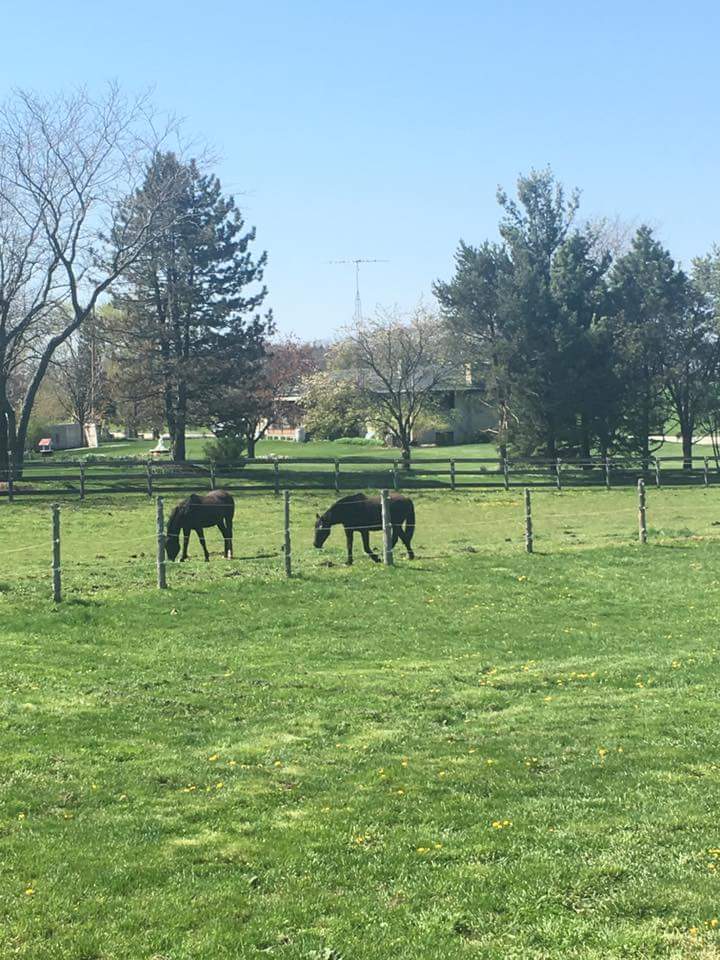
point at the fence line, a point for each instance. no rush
(522, 526)
(79, 478)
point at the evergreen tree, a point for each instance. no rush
(648, 293)
(193, 296)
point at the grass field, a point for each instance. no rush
(324, 448)
(476, 754)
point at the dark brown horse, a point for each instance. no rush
(362, 513)
(215, 509)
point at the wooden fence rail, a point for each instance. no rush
(62, 479)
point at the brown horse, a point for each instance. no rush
(215, 509)
(363, 513)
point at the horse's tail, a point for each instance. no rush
(410, 520)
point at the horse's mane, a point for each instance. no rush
(176, 516)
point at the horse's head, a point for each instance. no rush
(172, 537)
(322, 530)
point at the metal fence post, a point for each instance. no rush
(82, 480)
(337, 476)
(452, 474)
(160, 526)
(528, 522)
(396, 482)
(276, 467)
(657, 472)
(558, 480)
(706, 475)
(286, 544)
(387, 530)
(148, 477)
(56, 582)
(642, 512)
(607, 473)
(506, 473)
(212, 474)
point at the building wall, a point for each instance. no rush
(66, 436)
(468, 417)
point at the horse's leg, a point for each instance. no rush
(228, 537)
(366, 546)
(349, 539)
(395, 534)
(186, 541)
(406, 537)
(223, 533)
(201, 538)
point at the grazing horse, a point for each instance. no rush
(363, 513)
(215, 509)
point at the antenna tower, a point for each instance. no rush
(357, 316)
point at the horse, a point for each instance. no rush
(363, 513)
(197, 512)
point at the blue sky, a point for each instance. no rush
(382, 130)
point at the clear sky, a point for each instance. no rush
(382, 129)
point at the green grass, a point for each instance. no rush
(477, 754)
(284, 448)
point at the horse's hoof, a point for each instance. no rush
(411, 556)
(348, 563)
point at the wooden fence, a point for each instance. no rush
(62, 479)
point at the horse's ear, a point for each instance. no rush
(317, 516)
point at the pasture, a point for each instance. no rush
(476, 754)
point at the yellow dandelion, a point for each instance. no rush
(214, 757)
(29, 891)
(278, 763)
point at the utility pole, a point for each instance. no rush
(357, 316)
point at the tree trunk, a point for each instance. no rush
(250, 446)
(179, 454)
(406, 455)
(687, 447)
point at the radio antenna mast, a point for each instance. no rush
(357, 316)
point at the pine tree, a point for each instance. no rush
(193, 298)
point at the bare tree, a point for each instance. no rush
(81, 376)
(66, 163)
(400, 365)
(248, 406)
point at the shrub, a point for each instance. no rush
(225, 449)
(360, 441)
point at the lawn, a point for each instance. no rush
(476, 754)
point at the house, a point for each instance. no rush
(465, 415)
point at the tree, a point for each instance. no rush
(193, 296)
(333, 407)
(398, 365)
(248, 407)
(527, 310)
(81, 376)
(472, 306)
(65, 162)
(648, 295)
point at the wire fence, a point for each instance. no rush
(71, 551)
(81, 479)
